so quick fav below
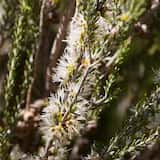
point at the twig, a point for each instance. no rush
(38, 86)
(75, 98)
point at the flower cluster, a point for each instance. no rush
(66, 114)
(82, 70)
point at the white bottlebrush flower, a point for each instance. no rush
(52, 113)
(66, 67)
(78, 28)
(54, 125)
(68, 62)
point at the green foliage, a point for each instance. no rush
(20, 58)
(20, 66)
(9, 11)
(141, 128)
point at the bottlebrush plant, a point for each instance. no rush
(104, 103)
